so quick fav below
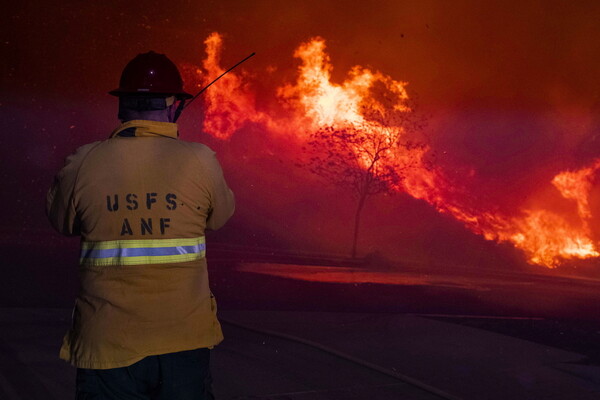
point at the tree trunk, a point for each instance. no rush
(361, 203)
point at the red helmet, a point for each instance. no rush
(151, 73)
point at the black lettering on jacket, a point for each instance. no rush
(115, 205)
(132, 203)
(146, 226)
(150, 198)
(164, 224)
(170, 198)
(126, 228)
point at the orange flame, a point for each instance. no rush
(313, 101)
(576, 185)
(547, 237)
(328, 104)
(224, 113)
(325, 104)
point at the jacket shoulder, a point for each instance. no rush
(83, 151)
(199, 149)
(204, 154)
(75, 159)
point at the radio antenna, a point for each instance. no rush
(183, 105)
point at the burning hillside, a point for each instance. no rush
(546, 234)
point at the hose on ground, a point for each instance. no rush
(345, 356)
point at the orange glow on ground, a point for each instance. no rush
(358, 275)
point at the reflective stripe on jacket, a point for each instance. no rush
(141, 202)
(136, 252)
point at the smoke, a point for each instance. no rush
(548, 235)
(509, 106)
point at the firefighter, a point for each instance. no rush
(145, 319)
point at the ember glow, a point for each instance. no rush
(547, 237)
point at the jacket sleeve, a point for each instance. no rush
(60, 202)
(222, 201)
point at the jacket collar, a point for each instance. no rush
(146, 128)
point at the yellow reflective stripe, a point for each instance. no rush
(136, 252)
(131, 244)
(99, 262)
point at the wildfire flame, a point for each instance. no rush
(576, 185)
(224, 113)
(327, 104)
(313, 101)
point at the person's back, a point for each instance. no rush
(141, 202)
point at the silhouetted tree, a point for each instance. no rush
(369, 157)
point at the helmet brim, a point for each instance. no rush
(120, 92)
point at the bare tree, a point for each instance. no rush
(368, 157)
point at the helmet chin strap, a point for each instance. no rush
(178, 111)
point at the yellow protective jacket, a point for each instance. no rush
(141, 202)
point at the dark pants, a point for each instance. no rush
(176, 376)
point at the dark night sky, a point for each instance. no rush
(510, 89)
